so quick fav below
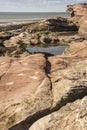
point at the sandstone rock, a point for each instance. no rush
(15, 41)
(69, 84)
(77, 49)
(12, 45)
(5, 35)
(40, 87)
(23, 38)
(19, 51)
(2, 49)
(28, 89)
(78, 9)
(68, 74)
(82, 19)
(24, 90)
(43, 39)
(83, 27)
(54, 24)
(39, 39)
(79, 16)
(73, 116)
(36, 86)
(47, 31)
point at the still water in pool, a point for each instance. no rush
(56, 50)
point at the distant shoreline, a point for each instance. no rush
(13, 21)
(37, 15)
(8, 25)
(17, 21)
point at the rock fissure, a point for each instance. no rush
(41, 91)
(6, 70)
(26, 124)
(47, 72)
(73, 94)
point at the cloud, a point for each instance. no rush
(36, 5)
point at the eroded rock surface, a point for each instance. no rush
(50, 31)
(79, 9)
(55, 24)
(69, 91)
(73, 116)
(79, 16)
(25, 90)
(83, 27)
(36, 86)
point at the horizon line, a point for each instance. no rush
(32, 12)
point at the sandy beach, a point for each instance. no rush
(14, 24)
(5, 21)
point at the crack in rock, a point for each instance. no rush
(6, 70)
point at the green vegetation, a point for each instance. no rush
(11, 120)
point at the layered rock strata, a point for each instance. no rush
(79, 16)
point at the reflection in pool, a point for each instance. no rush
(51, 50)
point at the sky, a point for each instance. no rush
(36, 5)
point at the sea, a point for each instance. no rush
(29, 15)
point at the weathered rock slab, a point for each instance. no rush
(73, 116)
(24, 89)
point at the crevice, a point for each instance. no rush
(7, 70)
(47, 70)
(77, 92)
(26, 124)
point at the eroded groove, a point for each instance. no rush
(7, 70)
(75, 93)
(26, 124)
